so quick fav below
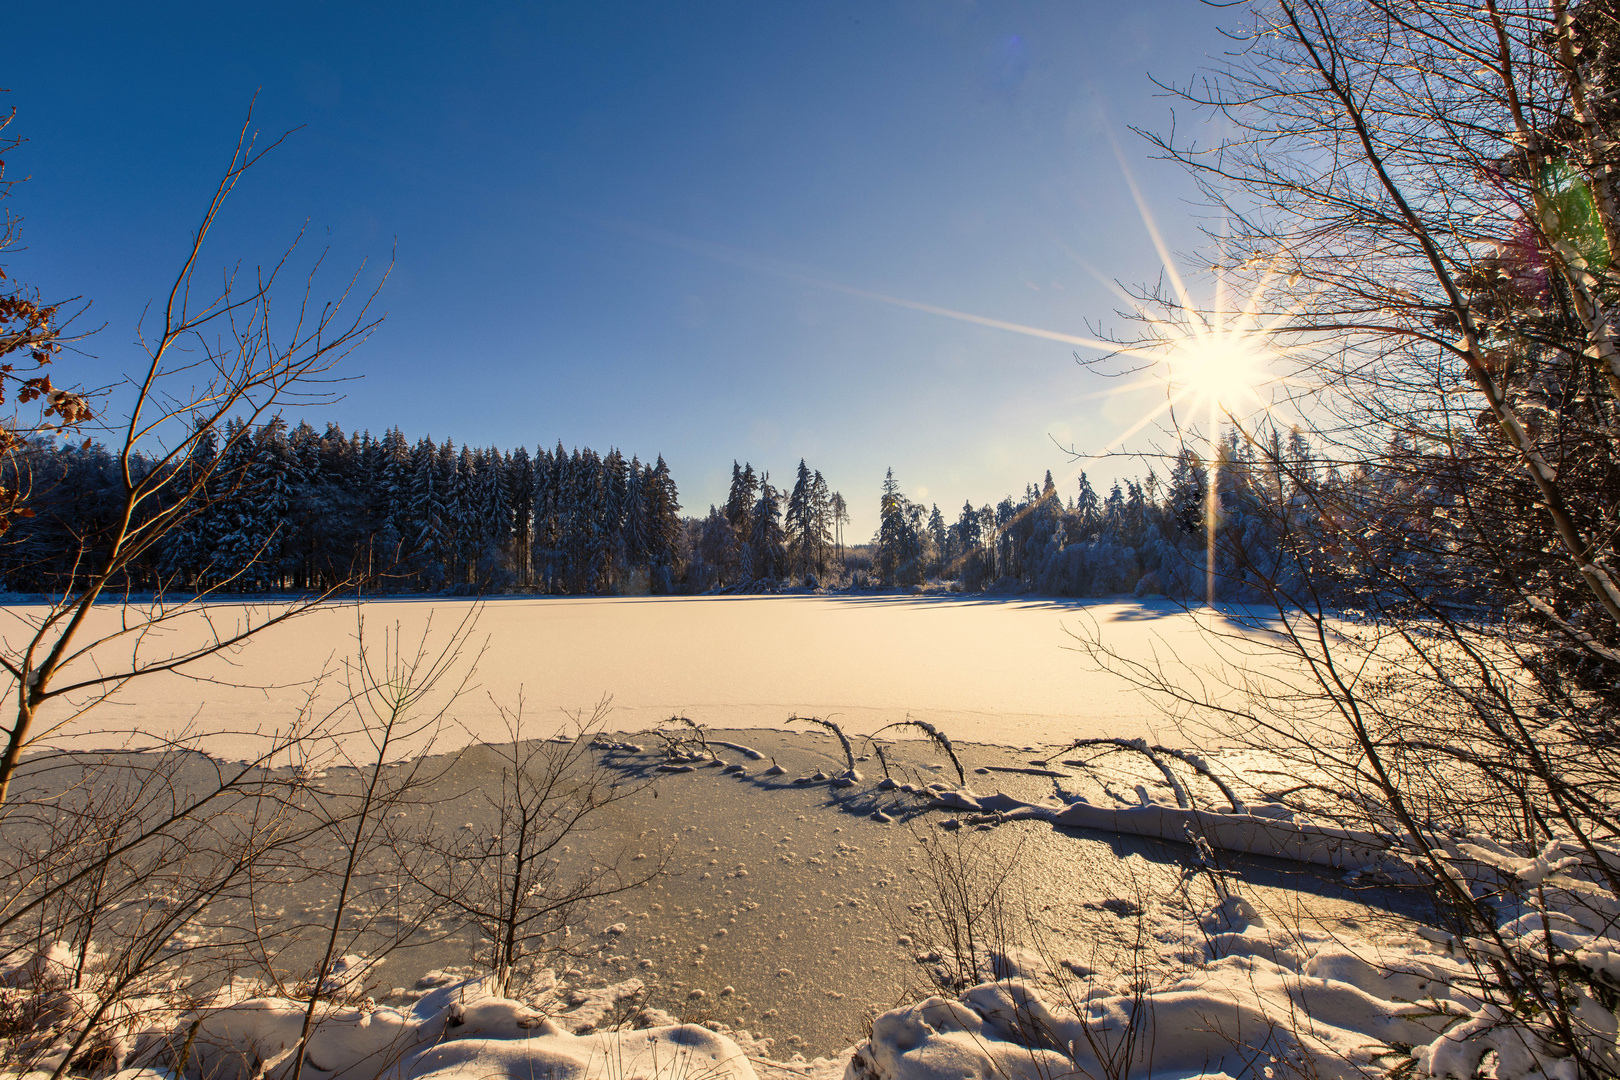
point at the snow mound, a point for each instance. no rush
(460, 1031)
(1311, 1004)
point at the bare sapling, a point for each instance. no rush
(130, 880)
(516, 876)
(398, 698)
(969, 912)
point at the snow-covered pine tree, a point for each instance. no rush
(821, 522)
(586, 546)
(615, 558)
(466, 522)
(739, 511)
(1114, 509)
(913, 561)
(277, 470)
(715, 547)
(767, 545)
(185, 553)
(391, 504)
(1136, 514)
(1189, 486)
(573, 509)
(1299, 459)
(1008, 550)
(226, 538)
(339, 525)
(967, 529)
(520, 485)
(549, 484)
(1088, 507)
(664, 525)
(892, 543)
(941, 538)
(604, 523)
(255, 508)
(797, 524)
(635, 528)
(426, 516)
(300, 535)
(493, 569)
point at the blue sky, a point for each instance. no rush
(612, 219)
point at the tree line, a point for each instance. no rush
(295, 509)
(764, 534)
(1156, 535)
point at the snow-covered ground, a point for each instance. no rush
(983, 670)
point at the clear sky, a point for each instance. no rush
(614, 222)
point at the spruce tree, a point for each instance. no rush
(798, 524)
(740, 511)
(821, 521)
(185, 551)
(1189, 487)
(941, 538)
(767, 545)
(1088, 507)
(967, 529)
(636, 529)
(1114, 508)
(664, 524)
(427, 516)
(892, 543)
(520, 485)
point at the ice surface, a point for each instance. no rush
(726, 662)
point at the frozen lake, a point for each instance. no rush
(787, 906)
(986, 670)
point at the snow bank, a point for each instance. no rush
(1264, 1002)
(1327, 1008)
(459, 1031)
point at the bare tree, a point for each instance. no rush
(140, 872)
(1420, 210)
(216, 354)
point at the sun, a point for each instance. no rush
(1221, 369)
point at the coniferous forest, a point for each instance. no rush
(293, 509)
(305, 511)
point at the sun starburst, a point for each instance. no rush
(1205, 365)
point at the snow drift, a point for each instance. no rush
(460, 1031)
(1265, 1002)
